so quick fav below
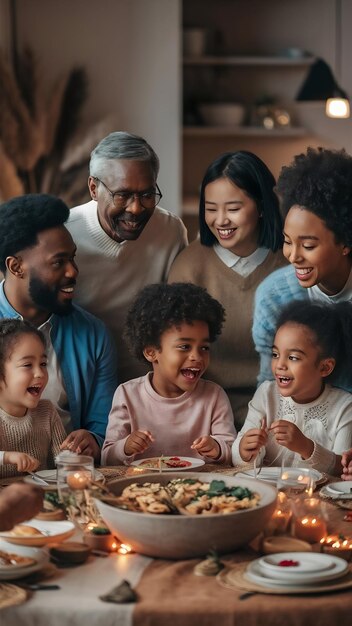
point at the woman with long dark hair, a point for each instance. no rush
(240, 244)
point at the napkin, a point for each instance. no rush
(120, 594)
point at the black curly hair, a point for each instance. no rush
(159, 307)
(320, 181)
(331, 328)
(23, 217)
(10, 331)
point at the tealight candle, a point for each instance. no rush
(79, 480)
(310, 528)
(124, 549)
(337, 545)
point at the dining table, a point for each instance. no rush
(169, 593)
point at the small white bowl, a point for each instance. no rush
(222, 114)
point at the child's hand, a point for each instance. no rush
(24, 462)
(346, 462)
(138, 442)
(290, 436)
(251, 442)
(206, 446)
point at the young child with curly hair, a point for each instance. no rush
(301, 419)
(172, 410)
(31, 431)
(315, 194)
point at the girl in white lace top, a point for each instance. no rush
(299, 418)
(30, 429)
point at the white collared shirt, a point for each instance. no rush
(243, 265)
(315, 294)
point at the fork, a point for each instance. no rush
(256, 472)
(37, 479)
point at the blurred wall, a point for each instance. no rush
(130, 49)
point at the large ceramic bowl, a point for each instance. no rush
(179, 536)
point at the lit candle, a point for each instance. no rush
(79, 480)
(310, 528)
(337, 545)
(124, 549)
(280, 519)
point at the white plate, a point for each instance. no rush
(54, 532)
(343, 487)
(326, 492)
(191, 460)
(51, 477)
(272, 474)
(18, 571)
(255, 573)
(307, 563)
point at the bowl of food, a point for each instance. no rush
(178, 515)
(222, 113)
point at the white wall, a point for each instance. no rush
(130, 49)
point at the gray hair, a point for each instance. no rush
(121, 145)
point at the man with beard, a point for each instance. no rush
(37, 257)
(124, 240)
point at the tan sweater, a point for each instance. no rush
(39, 433)
(233, 362)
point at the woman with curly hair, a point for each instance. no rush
(240, 244)
(316, 201)
(171, 410)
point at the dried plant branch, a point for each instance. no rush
(10, 183)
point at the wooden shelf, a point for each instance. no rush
(244, 131)
(248, 61)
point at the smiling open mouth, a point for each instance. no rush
(191, 373)
(34, 390)
(224, 233)
(303, 272)
(284, 380)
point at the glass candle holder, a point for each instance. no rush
(280, 519)
(308, 522)
(295, 480)
(74, 477)
(337, 545)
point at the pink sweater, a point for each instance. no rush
(174, 422)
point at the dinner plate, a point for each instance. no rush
(18, 571)
(301, 563)
(53, 532)
(191, 463)
(337, 496)
(341, 488)
(257, 574)
(272, 474)
(51, 477)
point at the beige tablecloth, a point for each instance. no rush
(169, 594)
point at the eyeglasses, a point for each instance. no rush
(122, 199)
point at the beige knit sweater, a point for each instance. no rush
(233, 361)
(39, 433)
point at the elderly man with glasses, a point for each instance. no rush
(124, 240)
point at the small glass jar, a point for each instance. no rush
(75, 473)
(308, 521)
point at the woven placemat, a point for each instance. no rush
(234, 578)
(11, 595)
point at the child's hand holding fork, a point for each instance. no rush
(253, 440)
